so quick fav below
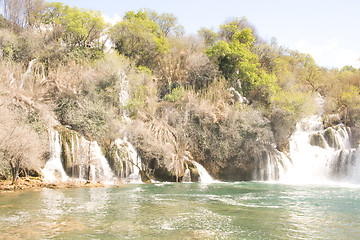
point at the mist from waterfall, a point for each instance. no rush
(204, 175)
(54, 165)
(321, 155)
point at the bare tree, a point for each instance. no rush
(20, 145)
(21, 12)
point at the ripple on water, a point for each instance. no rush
(184, 211)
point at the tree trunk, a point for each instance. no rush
(14, 171)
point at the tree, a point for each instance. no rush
(20, 145)
(76, 27)
(208, 36)
(22, 12)
(349, 68)
(305, 69)
(139, 38)
(167, 22)
(230, 28)
(236, 61)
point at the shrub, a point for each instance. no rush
(176, 94)
(21, 147)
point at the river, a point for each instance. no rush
(239, 210)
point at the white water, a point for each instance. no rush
(124, 96)
(86, 156)
(129, 160)
(270, 165)
(54, 166)
(99, 164)
(204, 175)
(26, 75)
(333, 161)
(187, 176)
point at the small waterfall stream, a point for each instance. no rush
(126, 160)
(54, 165)
(204, 175)
(270, 165)
(79, 158)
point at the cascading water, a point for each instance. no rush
(99, 165)
(124, 96)
(54, 165)
(187, 175)
(28, 72)
(76, 156)
(321, 155)
(204, 175)
(270, 165)
(126, 161)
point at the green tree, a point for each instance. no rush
(208, 36)
(74, 26)
(349, 68)
(237, 62)
(139, 38)
(167, 22)
(229, 29)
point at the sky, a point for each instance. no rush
(329, 30)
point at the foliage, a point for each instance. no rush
(167, 22)
(139, 38)
(238, 63)
(74, 26)
(176, 94)
(181, 92)
(21, 13)
(201, 72)
(208, 36)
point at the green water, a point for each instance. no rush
(183, 211)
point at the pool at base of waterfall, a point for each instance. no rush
(221, 210)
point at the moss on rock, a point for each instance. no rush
(317, 139)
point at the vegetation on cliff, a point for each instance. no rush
(220, 98)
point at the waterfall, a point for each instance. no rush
(187, 176)
(72, 155)
(322, 155)
(84, 159)
(124, 95)
(54, 165)
(126, 160)
(26, 75)
(204, 175)
(99, 164)
(270, 165)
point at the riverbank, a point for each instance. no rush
(37, 182)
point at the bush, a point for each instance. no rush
(176, 94)
(21, 147)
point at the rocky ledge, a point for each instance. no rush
(37, 182)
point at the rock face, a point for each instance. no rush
(332, 137)
(331, 120)
(124, 160)
(317, 139)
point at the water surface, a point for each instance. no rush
(246, 210)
